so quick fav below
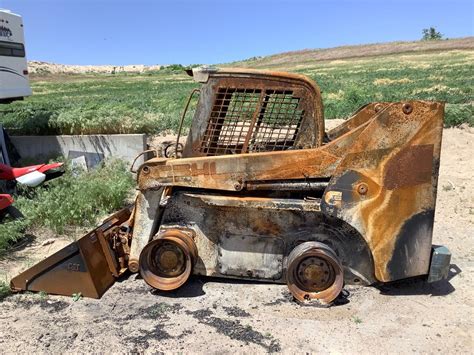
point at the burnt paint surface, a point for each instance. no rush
(413, 245)
(250, 224)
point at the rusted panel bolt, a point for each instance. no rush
(133, 265)
(146, 170)
(407, 108)
(362, 189)
(238, 186)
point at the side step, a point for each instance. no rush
(88, 266)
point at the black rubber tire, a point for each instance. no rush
(14, 212)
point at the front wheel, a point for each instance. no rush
(314, 273)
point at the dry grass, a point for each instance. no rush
(290, 59)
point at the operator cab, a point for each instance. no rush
(248, 111)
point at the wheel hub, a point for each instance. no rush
(166, 262)
(169, 260)
(315, 274)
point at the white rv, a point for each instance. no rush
(14, 83)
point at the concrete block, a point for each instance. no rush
(94, 148)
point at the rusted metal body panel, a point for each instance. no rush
(383, 178)
(263, 192)
(362, 115)
(146, 218)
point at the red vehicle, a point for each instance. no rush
(31, 176)
(6, 207)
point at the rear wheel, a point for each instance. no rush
(12, 212)
(314, 273)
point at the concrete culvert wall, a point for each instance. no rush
(94, 148)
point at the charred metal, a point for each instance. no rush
(261, 191)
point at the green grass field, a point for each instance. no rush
(153, 102)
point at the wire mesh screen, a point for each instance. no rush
(251, 120)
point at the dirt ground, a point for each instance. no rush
(218, 316)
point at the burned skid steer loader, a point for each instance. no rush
(260, 191)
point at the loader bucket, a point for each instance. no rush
(88, 266)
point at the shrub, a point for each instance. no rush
(74, 199)
(4, 290)
(173, 67)
(11, 232)
(430, 34)
(78, 199)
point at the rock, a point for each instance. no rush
(47, 242)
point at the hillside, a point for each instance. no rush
(151, 101)
(37, 68)
(286, 60)
(309, 56)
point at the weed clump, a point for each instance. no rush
(4, 290)
(76, 199)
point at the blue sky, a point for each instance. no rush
(211, 31)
